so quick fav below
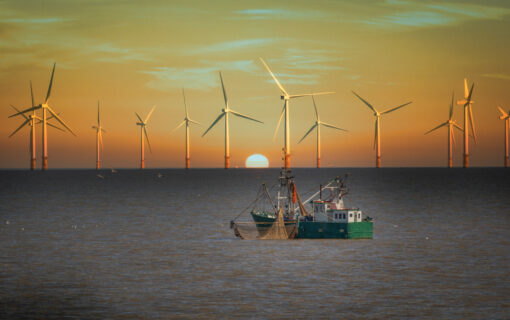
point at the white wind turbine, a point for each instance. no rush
(286, 98)
(505, 116)
(187, 121)
(317, 125)
(143, 132)
(226, 113)
(467, 102)
(377, 137)
(451, 136)
(99, 138)
(45, 108)
(30, 120)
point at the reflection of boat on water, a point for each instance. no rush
(287, 217)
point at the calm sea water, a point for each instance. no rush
(136, 245)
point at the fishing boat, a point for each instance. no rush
(288, 218)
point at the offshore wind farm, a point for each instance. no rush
(368, 142)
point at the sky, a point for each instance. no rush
(131, 55)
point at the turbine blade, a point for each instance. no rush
(150, 113)
(32, 94)
(401, 106)
(185, 105)
(224, 92)
(212, 125)
(503, 113)
(139, 118)
(182, 123)
(147, 138)
(195, 122)
(364, 101)
(471, 120)
(458, 127)
(315, 108)
(468, 100)
(333, 127)
(98, 116)
(453, 136)
(103, 130)
(310, 94)
(51, 84)
(21, 126)
(308, 132)
(274, 77)
(25, 111)
(451, 107)
(439, 126)
(60, 120)
(244, 116)
(279, 121)
(16, 109)
(53, 126)
(466, 91)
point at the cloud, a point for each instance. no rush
(204, 77)
(277, 14)
(34, 20)
(418, 14)
(497, 76)
(232, 45)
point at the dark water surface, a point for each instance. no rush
(137, 246)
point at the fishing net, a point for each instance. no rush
(276, 230)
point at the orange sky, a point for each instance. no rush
(131, 56)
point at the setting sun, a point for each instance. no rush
(257, 161)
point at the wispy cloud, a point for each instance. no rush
(34, 20)
(202, 77)
(276, 14)
(497, 76)
(232, 45)
(110, 53)
(419, 14)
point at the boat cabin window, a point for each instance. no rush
(350, 215)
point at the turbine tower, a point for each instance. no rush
(377, 137)
(467, 102)
(99, 138)
(45, 108)
(505, 116)
(286, 99)
(451, 137)
(226, 113)
(317, 125)
(187, 121)
(143, 132)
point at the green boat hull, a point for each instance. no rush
(317, 230)
(335, 230)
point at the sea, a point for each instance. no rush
(157, 244)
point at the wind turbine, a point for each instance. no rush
(226, 113)
(286, 98)
(467, 102)
(317, 125)
(377, 137)
(143, 131)
(30, 120)
(99, 138)
(187, 121)
(45, 108)
(505, 116)
(451, 137)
